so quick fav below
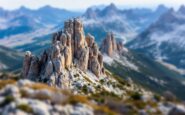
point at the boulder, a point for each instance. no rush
(177, 111)
(169, 96)
(52, 79)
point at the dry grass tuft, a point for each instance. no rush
(3, 83)
(74, 99)
(103, 110)
(40, 86)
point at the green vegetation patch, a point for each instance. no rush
(25, 107)
(7, 100)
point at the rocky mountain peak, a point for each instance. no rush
(110, 47)
(91, 13)
(168, 16)
(23, 8)
(70, 49)
(182, 9)
(109, 10)
(112, 6)
(22, 11)
(46, 8)
(161, 8)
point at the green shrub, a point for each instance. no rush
(7, 100)
(85, 89)
(102, 81)
(98, 87)
(76, 75)
(74, 99)
(25, 107)
(100, 100)
(136, 96)
(157, 97)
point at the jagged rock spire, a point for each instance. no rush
(70, 47)
(109, 45)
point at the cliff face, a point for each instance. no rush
(70, 48)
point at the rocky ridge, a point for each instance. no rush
(164, 40)
(74, 62)
(70, 48)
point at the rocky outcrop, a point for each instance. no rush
(95, 63)
(177, 111)
(26, 63)
(70, 48)
(33, 102)
(34, 68)
(110, 47)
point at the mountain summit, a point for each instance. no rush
(182, 9)
(110, 10)
(125, 24)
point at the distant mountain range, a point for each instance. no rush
(24, 29)
(19, 27)
(42, 17)
(126, 24)
(165, 39)
(141, 69)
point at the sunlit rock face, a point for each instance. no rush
(70, 48)
(110, 47)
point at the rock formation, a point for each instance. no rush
(70, 48)
(26, 63)
(110, 47)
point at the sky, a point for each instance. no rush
(83, 4)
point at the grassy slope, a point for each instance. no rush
(10, 58)
(149, 68)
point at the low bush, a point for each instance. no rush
(136, 96)
(25, 107)
(7, 100)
